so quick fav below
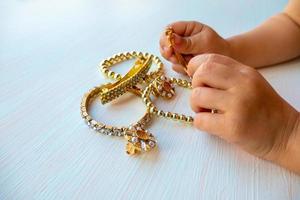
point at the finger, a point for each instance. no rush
(215, 75)
(196, 61)
(186, 28)
(166, 52)
(173, 59)
(187, 45)
(179, 68)
(208, 98)
(210, 123)
(163, 41)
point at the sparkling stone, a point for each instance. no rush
(134, 140)
(167, 86)
(109, 132)
(117, 132)
(143, 145)
(169, 95)
(99, 128)
(162, 78)
(151, 144)
(102, 130)
(159, 87)
(106, 131)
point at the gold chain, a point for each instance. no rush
(153, 109)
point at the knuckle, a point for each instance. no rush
(206, 67)
(189, 45)
(194, 60)
(212, 57)
(251, 77)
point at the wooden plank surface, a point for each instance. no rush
(48, 59)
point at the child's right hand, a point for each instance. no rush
(190, 39)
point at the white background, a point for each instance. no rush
(49, 51)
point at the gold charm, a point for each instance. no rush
(139, 141)
(163, 87)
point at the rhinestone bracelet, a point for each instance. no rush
(138, 139)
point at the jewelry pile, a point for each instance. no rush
(158, 85)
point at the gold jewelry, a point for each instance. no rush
(138, 139)
(134, 76)
(169, 33)
(153, 109)
(117, 58)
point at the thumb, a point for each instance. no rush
(185, 45)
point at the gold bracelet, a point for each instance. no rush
(117, 58)
(134, 76)
(138, 139)
(154, 88)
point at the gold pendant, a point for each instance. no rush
(164, 88)
(139, 141)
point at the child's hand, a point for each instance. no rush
(190, 39)
(250, 113)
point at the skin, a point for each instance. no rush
(250, 114)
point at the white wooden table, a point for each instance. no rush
(49, 51)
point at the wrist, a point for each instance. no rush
(233, 48)
(289, 157)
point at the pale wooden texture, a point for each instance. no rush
(49, 54)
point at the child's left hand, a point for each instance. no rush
(250, 113)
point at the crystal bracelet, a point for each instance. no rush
(138, 139)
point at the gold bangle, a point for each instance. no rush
(154, 86)
(134, 76)
(117, 58)
(138, 139)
